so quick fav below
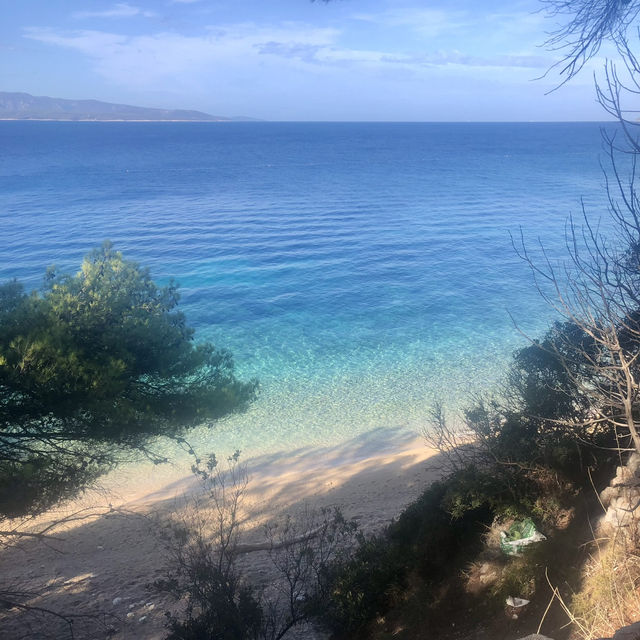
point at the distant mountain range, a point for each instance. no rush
(23, 106)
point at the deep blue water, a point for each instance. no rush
(358, 270)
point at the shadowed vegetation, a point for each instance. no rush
(93, 367)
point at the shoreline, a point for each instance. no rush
(116, 555)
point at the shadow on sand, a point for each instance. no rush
(103, 567)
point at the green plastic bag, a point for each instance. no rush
(519, 535)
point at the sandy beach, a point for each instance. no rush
(103, 564)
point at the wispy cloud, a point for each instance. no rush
(406, 54)
(120, 10)
(299, 50)
(458, 58)
(429, 23)
(469, 27)
(331, 55)
(147, 59)
(163, 53)
(249, 53)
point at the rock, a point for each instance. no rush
(633, 463)
(616, 517)
(629, 474)
(535, 636)
(130, 614)
(607, 495)
(488, 577)
(142, 619)
(100, 547)
(632, 632)
(116, 601)
(618, 479)
(628, 499)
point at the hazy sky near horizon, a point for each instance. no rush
(404, 60)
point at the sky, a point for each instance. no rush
(345, 60)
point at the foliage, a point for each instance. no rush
(572, 397)
(590, 23)
(94, 365)
(544, 421)
(225, 609)
(203, 548)
(604, 298)
(201, 545)
(608, 598)
(524, 455)
(546, 415)
(597, 290)
(545, 377)
(303, 550)
(363, 586)
(427, 539)
(435, 531)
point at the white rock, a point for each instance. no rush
(116, 601)
(607, 495)
(142, 619)
(100, 547)
(633, 463)
(130, 614)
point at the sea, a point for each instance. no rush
(361, 272)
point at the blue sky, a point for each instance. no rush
(404, 60)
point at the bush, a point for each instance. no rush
(364, 587)
(426, 537)
(202, 545)
(218, 606)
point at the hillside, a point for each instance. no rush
(23, 106)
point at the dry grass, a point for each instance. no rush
(610, 593)
(488, 568)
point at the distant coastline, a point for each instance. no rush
(25, 107)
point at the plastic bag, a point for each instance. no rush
(519, 535)
(515, 607)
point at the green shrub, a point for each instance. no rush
(426, 537)
(365, 586)
(218, 609)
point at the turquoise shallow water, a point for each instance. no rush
(358, 270)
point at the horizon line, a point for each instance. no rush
(261, 121)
